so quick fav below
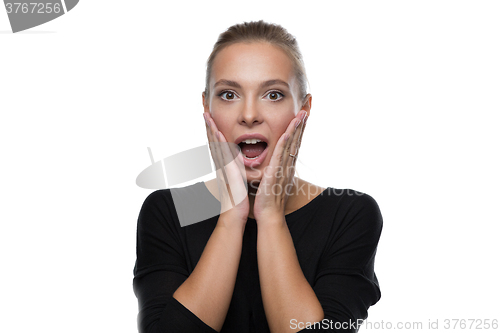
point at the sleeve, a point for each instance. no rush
(346, 284)
(160, 269)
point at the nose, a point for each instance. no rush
(250, 114)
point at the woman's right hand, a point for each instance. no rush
(231, 176)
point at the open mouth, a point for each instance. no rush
(252, 148)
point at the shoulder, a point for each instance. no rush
(351, 198)
(184, 205)
(166, 196)
(356, 226)
(165, 204)
(157, 197)
(354, 209)
(154, 213)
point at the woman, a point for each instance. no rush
(280, 254)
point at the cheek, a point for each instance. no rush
(281, 122)
(279, 129)
(222, 122)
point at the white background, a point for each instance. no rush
(405, 106)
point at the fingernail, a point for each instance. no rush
(303, 115)
(206, 119)
(297, 123)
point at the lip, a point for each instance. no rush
(259, 160)
(251, 136)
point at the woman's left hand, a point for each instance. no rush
(277, 181)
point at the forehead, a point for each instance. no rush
(254, 62)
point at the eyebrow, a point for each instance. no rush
(262, 85)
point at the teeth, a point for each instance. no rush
(251, 141)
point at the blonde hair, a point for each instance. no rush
(261, 31)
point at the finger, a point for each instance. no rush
(291, 129)
(221, 162)
(228, 151)
(215, 148)
(279, 151)
(211, 138)
(232, 153)
(222, 179)
(302, 129)
(282, 149)
(294, 143)
(234, 169)
(230, 168)
(218, 158)
(239, 162)
(277, 173)
(290, 148)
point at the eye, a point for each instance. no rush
(227, 95)
(275, 95)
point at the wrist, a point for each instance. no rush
(275, 219)
(231, 224)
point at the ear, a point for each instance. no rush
(205, 103)
(307, 103)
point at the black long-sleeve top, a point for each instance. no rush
(335, 237)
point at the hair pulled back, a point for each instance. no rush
(261, 31)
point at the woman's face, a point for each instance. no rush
(253, 90)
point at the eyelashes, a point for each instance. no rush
(227, 95)
(278, 95)
(273, 95)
